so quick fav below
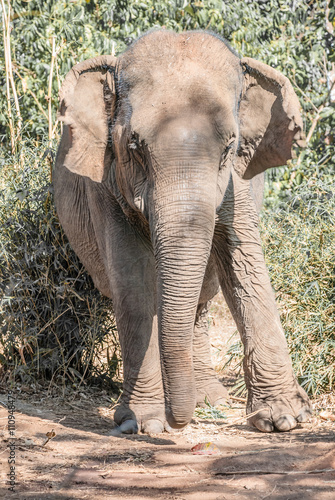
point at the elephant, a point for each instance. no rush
(158, 181)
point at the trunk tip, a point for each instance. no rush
(178, 420)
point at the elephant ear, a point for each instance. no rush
(87, 101)
(269, 118)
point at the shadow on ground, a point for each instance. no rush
(83, 461)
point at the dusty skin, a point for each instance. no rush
(84, 461)
(157, 183)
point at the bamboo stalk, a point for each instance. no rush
(63, 42)
(10, 117)
(33, 95)
(49, 98)
(311, 130)
(11, 77)
(55, 127)
(314, 124)
(10, 82)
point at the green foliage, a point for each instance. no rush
(209, 412)
(300, 254)
(42, 277)
(295, 38)
(53, 322)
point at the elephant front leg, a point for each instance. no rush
(130, 267)
(209, 388)
(273, 391)
(142, 406)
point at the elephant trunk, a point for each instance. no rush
(182, 230)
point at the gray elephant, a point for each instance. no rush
(157, 181)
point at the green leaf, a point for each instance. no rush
(326, 112)
(189, 9)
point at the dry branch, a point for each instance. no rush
(10, 117)
(258, 472)
(33, 95)
(49, 98)
(15, 135)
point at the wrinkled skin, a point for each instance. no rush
(158, 180)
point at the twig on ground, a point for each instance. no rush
(234, 398)
(245, 417)
(268, 472)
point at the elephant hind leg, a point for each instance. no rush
(207, 385)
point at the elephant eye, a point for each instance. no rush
(139, 153)
(134, 141)
(229, 152)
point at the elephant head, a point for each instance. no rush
(164, 128)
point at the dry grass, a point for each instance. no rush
(54, 324)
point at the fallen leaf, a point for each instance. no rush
(205, 449)
(327, 415)
(51, 434)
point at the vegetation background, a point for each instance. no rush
(53, 324)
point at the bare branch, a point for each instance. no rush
(33, 95)
(49, 98)
(10, 118)
(10, 70)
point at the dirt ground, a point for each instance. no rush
(64, 450)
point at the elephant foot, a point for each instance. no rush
(212, 392)
(281, 412)
(135, 418)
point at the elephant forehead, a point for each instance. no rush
(194, 97)
(171, 51)
(166, 76)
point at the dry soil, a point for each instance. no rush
(64, 450)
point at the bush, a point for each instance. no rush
(299, 250)
(48, 299)
(297, 40)
(54, 323)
